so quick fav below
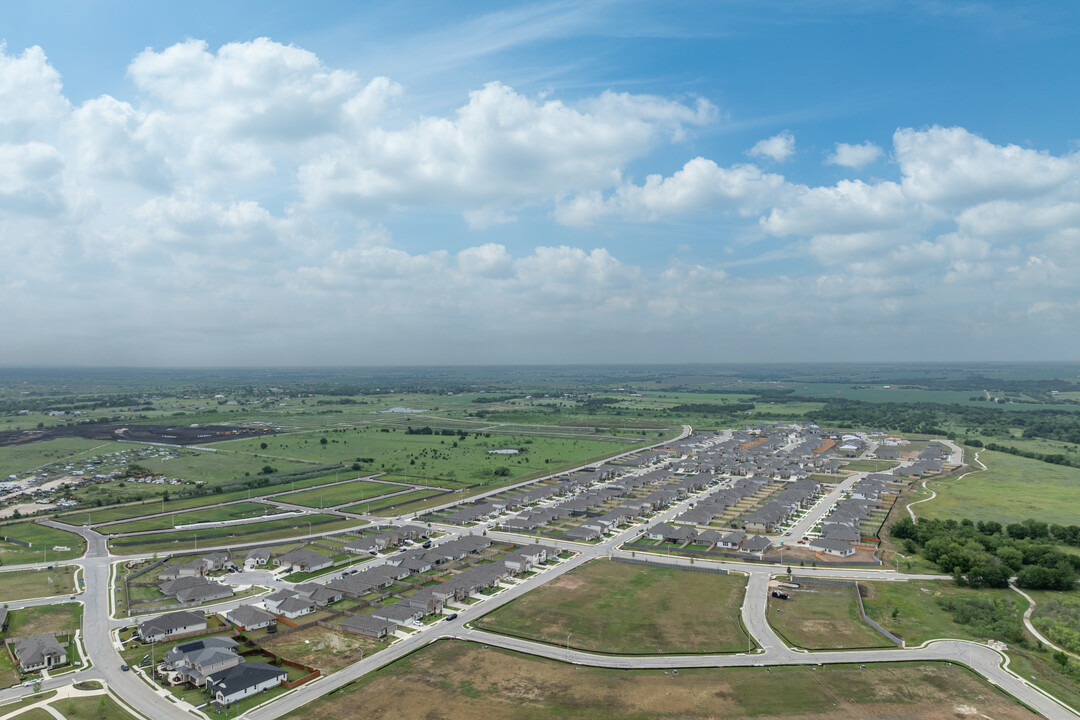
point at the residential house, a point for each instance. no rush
(249, 617)
(38, 652)
(194, 661)
(367, 625)
(164, 627)
(244, 680)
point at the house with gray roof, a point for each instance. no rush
(195, 660)
(831, 547)
(38, 652)
(303, 560)
(244, 680)
(367, 625)
(249, 617)
(164, 627)
(757, 545)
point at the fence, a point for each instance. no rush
(858, 596)
(656, 563)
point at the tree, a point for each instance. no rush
(323, 441)
(263, 446)
(1062, 659)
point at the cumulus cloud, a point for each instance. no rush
(854, 156)
(779, 147)
(254, 192)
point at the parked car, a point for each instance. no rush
(125, 667)
(452, 616)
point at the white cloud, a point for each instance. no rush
(502, 151)
(854, 156)
(30, 94)
(778, 147)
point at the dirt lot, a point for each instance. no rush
(325, 649)
(453, 680)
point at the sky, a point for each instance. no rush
(419, 183)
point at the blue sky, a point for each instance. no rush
(264, 183)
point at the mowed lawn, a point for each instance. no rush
(619, 607)
(235, 511)
(823, 617)
(333, 495)
(455, 680)
(1011, 489)
(394, 502)
(94, 707)
(42, 541)
(256, 532)
(25, 584)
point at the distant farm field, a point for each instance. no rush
(1011, 489)
(454, 680)
(619, 607)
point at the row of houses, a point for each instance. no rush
(735, 540)
(782, 507)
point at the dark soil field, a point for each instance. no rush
(167, 434)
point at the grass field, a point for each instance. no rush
(295, 527)
(377, 505)
(918, 616)
(323, 648)
(443, 461)
(34, 714)
(95, 707)
(870, 465)
(236, 511)
(454, 680)
(23, 702)
(340, 494)
(823, 617)
(1012, 489)
(152, 507)
(624, 608)
(62, 617)
(25, 584)
(42, 539)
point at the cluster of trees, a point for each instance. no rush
(989, 617)
(987, 554)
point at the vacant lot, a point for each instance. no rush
(340, 494)
(1011, 489)
(823, 617)
(325, 649)
(453, 680)
(625, 608)
(24, 584)
(870, 465)
(912, 611)
(42, 541)
(62, 617)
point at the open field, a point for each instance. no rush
(919, 617)
(340, 494)
(95, 707)
(42, 540)
(453, 680)
(325, 649)
(431, 459)
(153, 506)
(625, 608)
(23, 702)
(62, 617)
(25, 584)
(239, 534)
(1012, 489)
(823, 617)
(397, 500)
(34, 714)
(236, 511)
